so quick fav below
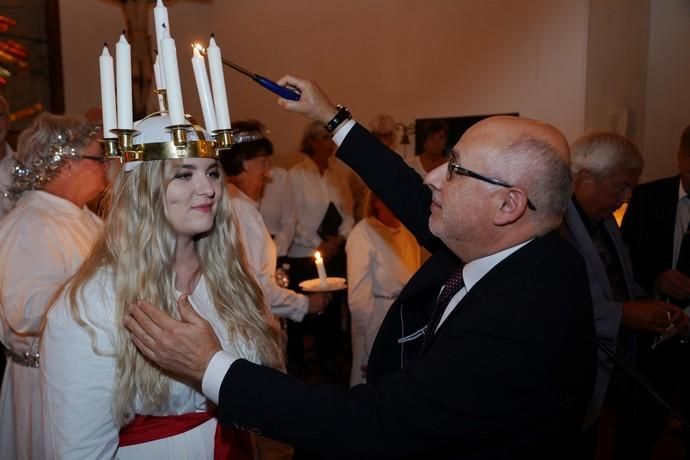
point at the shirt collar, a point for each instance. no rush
(475, 270)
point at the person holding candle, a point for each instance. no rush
(489, 350)
(324, 211)
(246, 165)
(43, 240)
(170, 236)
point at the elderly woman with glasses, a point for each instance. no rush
(43, 240)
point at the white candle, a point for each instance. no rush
(323, 280)
(107, 93)
(172, 80)
(220, 97)
(161, 21)
(158, 74)
(123, 70)
(204, 90)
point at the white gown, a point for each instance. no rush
(277, 208)
(77, 384)
(261, 255)
(42, 242)
(380, 260)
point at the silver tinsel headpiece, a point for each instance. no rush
(43, 169)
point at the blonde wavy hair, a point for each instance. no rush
(138, 246)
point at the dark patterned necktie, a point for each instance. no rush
(683, 264)
(451, 287)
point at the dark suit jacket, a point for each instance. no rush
(507, 375)
(648, 229)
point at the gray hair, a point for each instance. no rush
(382, 124)
(44, 146)
(603, 153)
(538, 167)
(312, 130)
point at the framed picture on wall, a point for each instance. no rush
(30, 60)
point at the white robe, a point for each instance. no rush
(261, 255)
(277, 208)
(380, 260)
(77, 384)
(43, 241)
(313, 192)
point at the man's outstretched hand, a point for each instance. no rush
(313, 102)
(183, 347)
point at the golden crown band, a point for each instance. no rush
(170, 151)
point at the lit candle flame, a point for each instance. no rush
(317, 255)
(199, 47)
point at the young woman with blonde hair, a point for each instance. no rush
(169, 238)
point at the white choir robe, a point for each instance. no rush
(313, 192)
(261, 255)
(43, 241)
(277, 207)
(77, 383)
(380, 260)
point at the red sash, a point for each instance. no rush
(230, 444)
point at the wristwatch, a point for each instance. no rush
(340, 116)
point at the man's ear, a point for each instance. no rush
(511, 208)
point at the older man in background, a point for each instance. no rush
(606, 167)
(655, 228)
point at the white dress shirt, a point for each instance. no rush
(277, 208)
(313, 192)
(43, 241)
(261, 255)
(77, 383)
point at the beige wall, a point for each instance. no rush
(617, 55)
(408, 58)
(668, 85)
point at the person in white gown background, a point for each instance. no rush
(246, 165)
(170, 239)
(381, 256)
(277, 207)
(43, 241)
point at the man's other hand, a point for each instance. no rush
(674, 284)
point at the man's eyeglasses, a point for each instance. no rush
(101, 160)
(454, 168)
